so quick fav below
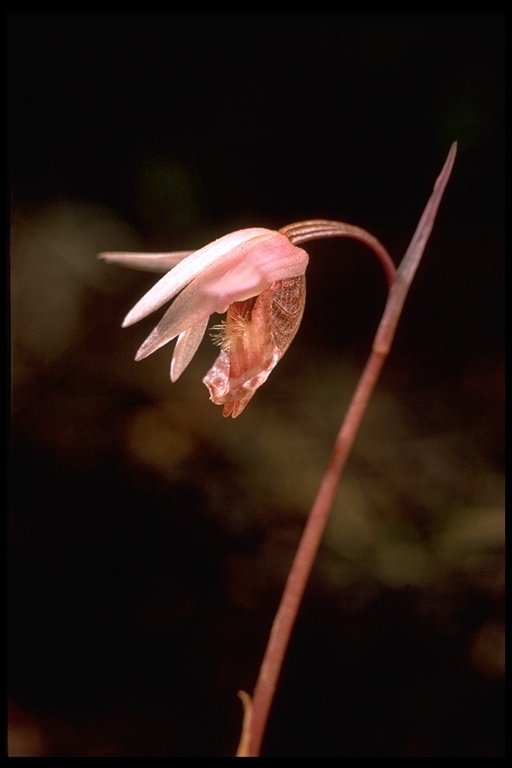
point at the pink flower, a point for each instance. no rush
(255, 276)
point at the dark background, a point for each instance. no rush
(148, 538)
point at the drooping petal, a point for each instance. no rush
(195, 302)
(227, 248)
(150, 262)
(192, 306)
(186, 347)
(177, 320)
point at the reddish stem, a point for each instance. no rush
(257, 711)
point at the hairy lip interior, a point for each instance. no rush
(236, 324)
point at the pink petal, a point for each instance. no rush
(186, 347)
(268, 260)
(227, 248)
(191, 307)
(150, 262)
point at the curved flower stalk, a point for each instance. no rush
(257, 276)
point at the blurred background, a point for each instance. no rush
(149, 538)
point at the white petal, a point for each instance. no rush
(186, 347)
(224, 249)
(150, 262)
(187, 310)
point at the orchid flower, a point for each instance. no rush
(255, 276)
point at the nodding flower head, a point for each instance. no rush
(256, 277)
